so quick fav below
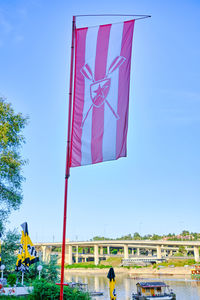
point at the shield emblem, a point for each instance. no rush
(99, 91)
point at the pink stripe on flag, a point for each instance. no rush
(98, 112)
(79, 90)
(123, 89)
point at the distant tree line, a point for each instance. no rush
(184, 235)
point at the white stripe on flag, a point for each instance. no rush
(110, 121)
(90, 54)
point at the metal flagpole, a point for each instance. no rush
(67, 173)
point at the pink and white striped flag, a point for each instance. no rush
(101, 93)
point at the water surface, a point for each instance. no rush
(184, 288)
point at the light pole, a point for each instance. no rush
(2, 268)
(39, 268)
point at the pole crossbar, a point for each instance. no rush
(113, 15)
(138, 17)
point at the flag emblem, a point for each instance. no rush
(99, 89)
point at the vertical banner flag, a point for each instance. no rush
(27, 254)
(111, 277)
(101, 93)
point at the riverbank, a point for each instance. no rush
(182, 271)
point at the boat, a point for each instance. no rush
(153, 290)
(83, 287)
(196, 272)
(94, 293)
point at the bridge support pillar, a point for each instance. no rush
(48, 253)
(196, 253)
(138, 251)
(69, 254)
(77, 254)
(44, 248)
(101, 250)
(159, 255)
(108, 250)
(125, 251)
(132, 251)
(96, 255)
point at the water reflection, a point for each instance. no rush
(185, 288)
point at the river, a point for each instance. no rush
(184, 288)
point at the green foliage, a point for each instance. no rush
(176, 263)
(113, 261)
(154, 266)
(57, 249)
(137, 267)
(185, 232)
(156, 237)
(45, 290)
(9, 249)
(185, 235)
(11, 280)
(100, 238)
(178, 254)
(86, 266)
(114, 251)
(136, 236)
(50, 270)
(10, 246)
(11, 139)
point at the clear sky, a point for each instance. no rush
(156, 189)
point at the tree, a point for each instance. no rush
(156, 237)
(100, 238)
(185, 232)
(11, 140)
(9, 248)
(136, 236)
(50, 270)
(147, 237)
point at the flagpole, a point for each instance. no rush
(67, 173)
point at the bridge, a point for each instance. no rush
(95, 251)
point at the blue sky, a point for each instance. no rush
(156, 188)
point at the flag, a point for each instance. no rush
(111, 277)
(27, 254)
(101, 93)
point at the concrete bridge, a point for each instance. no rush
(95, 251)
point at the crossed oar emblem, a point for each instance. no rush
(99, 89)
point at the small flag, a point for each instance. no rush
(101, 93)
(27, 254)
(111, 277)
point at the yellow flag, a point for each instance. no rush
(111, 277)
(27, 254)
